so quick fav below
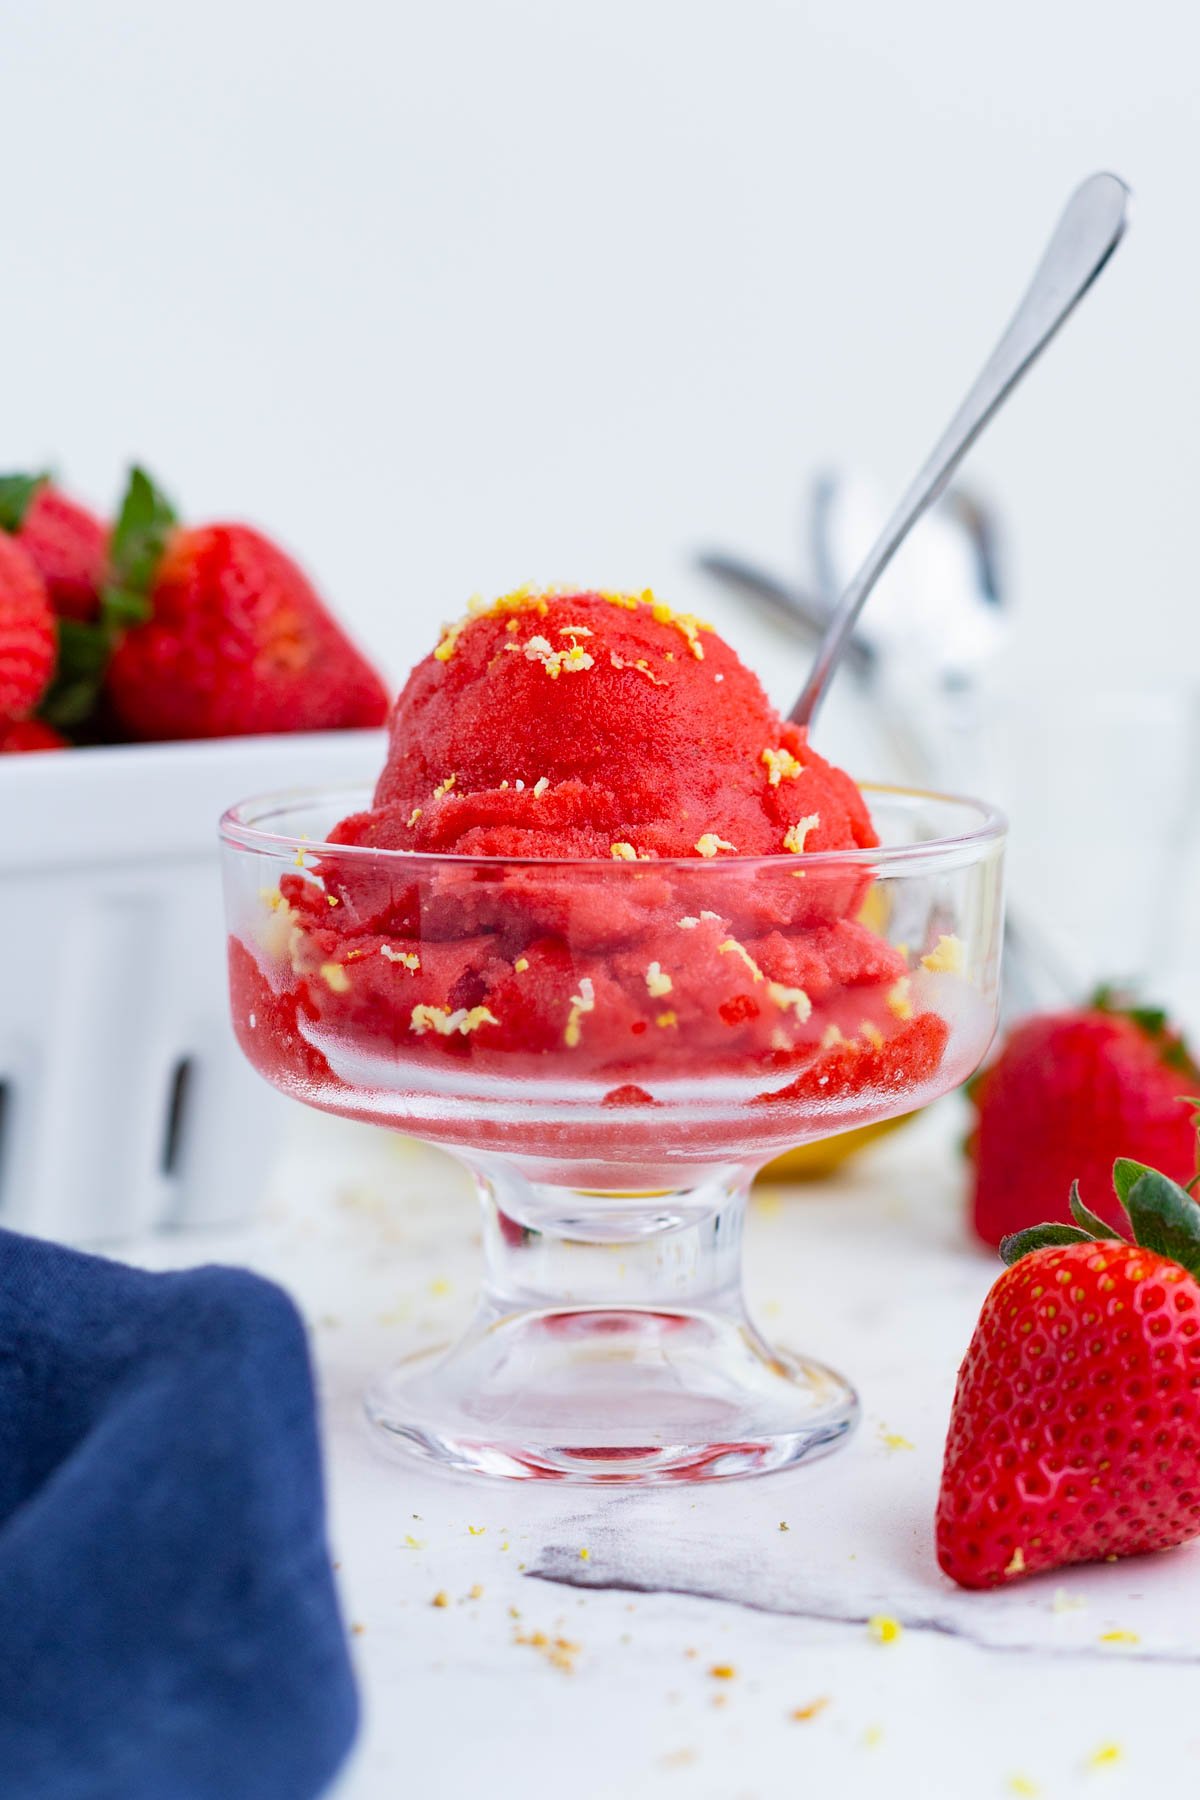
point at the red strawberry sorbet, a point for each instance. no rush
(608, 755)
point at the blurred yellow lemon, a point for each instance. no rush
(815, 1162)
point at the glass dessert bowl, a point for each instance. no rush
(614, 1048)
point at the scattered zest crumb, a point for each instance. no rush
(1104, 1756)
(476, 1530)
(622, 852)
(540, 786)
(441, 1598)
(873, 1736)
(1021, 1784)
(666, 1020)
(560, 1652)
(1119, 1637)
(583, 1555)
(783, 1525)
(476, 1591)
(412, 1543)
(883, 1629)
(946, 958)
(335, 977)
(802, 1714)
(521, 964)
(893, 1440)
(444, 787)
(413, 816)
(709, 843)
(440, 1287)
(722, 1671)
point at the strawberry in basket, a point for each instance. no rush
(67, 544)
(26, 634)
(201, 632)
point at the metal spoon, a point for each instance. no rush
(1090, 229)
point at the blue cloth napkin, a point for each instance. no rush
(169, 1628)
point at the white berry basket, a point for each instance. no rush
(125, 1104)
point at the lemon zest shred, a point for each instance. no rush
(445, 1023)
(731, 947)
(796, 835)
(582, 1003)
(946, 958)
(781, 765)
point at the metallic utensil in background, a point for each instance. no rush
(1091, 227)
(919, 659)
(796, 610)
(1084, 239)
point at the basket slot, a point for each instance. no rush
(177, 1108)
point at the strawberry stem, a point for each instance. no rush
(16, 497)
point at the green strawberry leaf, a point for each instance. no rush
(1165, 1218)
(1040, 1237)
(139, 538)
(83, 653)
(16, 493)
(144, 524)
(1153, 1021)
(1087, 1220)
(1125, 1173)
(121, 606)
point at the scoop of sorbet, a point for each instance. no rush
(550, 728)
(598, 725)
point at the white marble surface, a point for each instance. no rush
(1023, 1692)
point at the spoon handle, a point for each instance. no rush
(1090, 229)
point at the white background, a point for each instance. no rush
(451, 296)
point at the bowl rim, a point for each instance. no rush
(237, 833)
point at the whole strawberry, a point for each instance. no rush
(66, 543)
(26, 633)
(1075, 1429)
(1068, 1094)
(26, 735)
(223, 635)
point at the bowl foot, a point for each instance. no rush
(608, 1394)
